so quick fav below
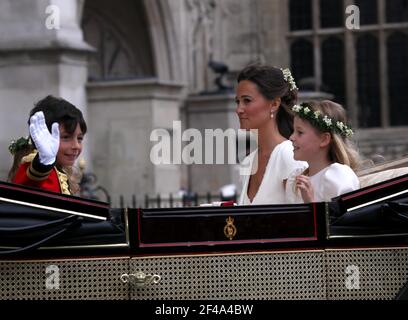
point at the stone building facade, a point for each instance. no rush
(136, 66)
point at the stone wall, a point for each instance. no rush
(383, 144)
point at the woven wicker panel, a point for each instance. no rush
(277, 275)
(78, 279)
(299, 275)
(381, 272)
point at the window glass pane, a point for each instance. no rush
(396, 10)
(302, 63)
(397, 56)
(331, 13)
(368, 86)
(368, 11)
(300, 14)
(333, 68)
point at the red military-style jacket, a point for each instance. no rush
(34, 174)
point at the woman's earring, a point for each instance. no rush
(271, 115)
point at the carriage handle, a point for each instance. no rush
(140, 279)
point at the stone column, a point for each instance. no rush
(273, 28)
(123, 115)
(41, 52)
(212, 111)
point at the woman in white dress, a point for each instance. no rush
(321, 138)
(264, 97)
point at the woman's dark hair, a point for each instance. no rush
(271, 84)
(60, 111)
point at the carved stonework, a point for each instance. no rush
(121, 39)
(111, 59)
(201, 15)
(80, 10)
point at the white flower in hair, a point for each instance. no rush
(296, 108)
(322, 121)
(327, 121)
(287, 76)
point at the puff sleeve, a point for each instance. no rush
(337, 180)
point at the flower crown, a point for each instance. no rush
(17, 145)
(287, 76)
(322, 122)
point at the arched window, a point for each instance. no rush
(331, 13)
(397, 56)
(396, 10)
(368, 85)
(368, 11)
(366, 68)
(302, 63)
(300, 14)
(333, 68)
(120, 35)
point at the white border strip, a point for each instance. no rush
(52, 208)
(375, 201)
(362, 236)
(76, 247)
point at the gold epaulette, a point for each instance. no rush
(31, 172)
(30, 157)
(63, 181)
(39, 176)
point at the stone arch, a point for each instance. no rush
(120, 35)
(166, 44)
(142, 44)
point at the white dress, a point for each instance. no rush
(332, 181)
(278, 169)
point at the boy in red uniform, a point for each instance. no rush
(45, 160)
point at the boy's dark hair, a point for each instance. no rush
(60, 111)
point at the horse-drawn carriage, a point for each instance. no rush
(63, 247)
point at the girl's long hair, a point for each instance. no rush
(18, 156)
(342, 149)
